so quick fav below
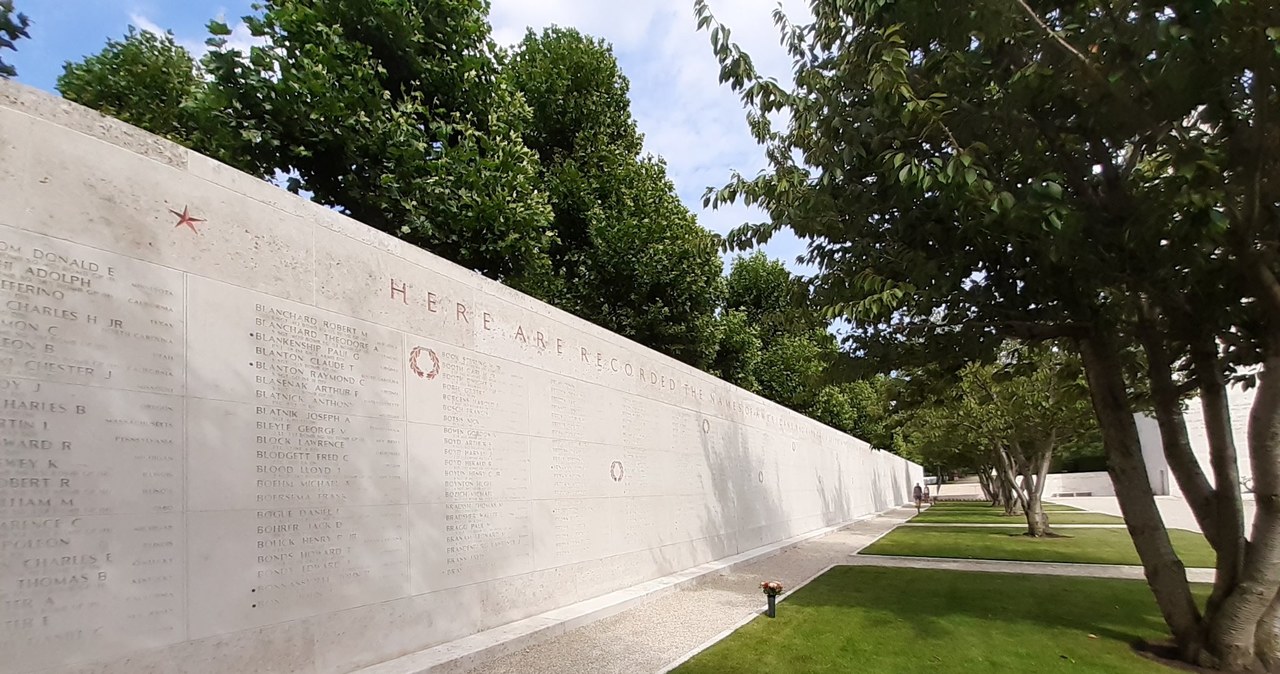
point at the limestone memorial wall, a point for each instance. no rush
(242, 432)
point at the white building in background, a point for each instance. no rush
(1162, 480)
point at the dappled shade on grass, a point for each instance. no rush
(1085, 546)
(971, 513)
(890, 621)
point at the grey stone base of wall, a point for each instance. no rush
(468, 653)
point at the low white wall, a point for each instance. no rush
(1083, 484)
(245, 433)
(1239, 402)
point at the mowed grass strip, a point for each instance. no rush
(907, 621)
(948, 513)
(1081, 546)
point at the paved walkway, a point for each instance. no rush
(646, 638)
(650, 636)
(1040, 568)
(1173, 509)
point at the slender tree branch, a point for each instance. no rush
(1060, 40)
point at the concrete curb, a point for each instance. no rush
(463, 655)
(1125, 572)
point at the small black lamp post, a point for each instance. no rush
(772, 589)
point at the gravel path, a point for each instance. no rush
(650, 636)
(1041, 568)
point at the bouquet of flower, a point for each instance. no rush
(771, 587)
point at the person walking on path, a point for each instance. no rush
(918, 493)
(927, 501)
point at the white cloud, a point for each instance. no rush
(686, 115)
(240, 37)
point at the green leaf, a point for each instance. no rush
(1219, 219)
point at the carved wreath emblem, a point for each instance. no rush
(615, 471)
(415, 354)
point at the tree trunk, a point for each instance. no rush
(1033, 470)
(1005, 478)
(1165, 573)
(1182, 461)
(1233, 634)
(1268, 639)
(1033, 483)
(1228, 509)
(984, 481)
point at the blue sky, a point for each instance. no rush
(687, 117)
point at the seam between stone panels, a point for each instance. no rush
(408, 476)
(186, 433)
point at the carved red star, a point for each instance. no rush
(185, 218)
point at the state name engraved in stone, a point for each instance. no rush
(301, 456)
(481, 465)
(302, 359)
(485, 539)
(290, 562)
(482, 392)
(80, 450)
(91, 451)
(101, 585)
(80, 315)
(269, 351)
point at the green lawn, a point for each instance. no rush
(1088, 546)
(907, 621)
(971, 513)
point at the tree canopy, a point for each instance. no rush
(1094, 171)
(13, 26)
(525, 164)
(629, 255)
(147, 80)
(1005, 421)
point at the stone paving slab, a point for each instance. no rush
(1194, 575)
(648, 637)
